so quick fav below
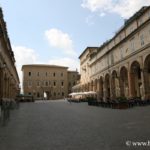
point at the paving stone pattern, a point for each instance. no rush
(64, 126)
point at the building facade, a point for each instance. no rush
(73, 78)
(121, 66)
(50, 80)
(9, 80)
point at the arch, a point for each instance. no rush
(124, 87)
(101, 89)
(107, 87)
(135, 75)
(95, 85)
(92, 84)
(146, 73)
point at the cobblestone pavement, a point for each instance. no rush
(64, 126)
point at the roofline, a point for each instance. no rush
(126, 24)
(86, 50)
(44, 65)
(69, 71)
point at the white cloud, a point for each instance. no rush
(94, 5)
(61, 40)
(102, 14)
(125, 8)
(73, 64)
(23, 56)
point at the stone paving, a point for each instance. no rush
(59, 125)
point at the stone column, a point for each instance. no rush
(101, 89)
(1, 78)
(112, 87)
(145, 82)
(4, 86)
(90, 87)
(98, 89)
(7, 88)
(117, 87)
(95, 86)
(131, 84)
(104, 92)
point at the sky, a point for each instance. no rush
(58, 31)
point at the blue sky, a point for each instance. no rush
(57, 31)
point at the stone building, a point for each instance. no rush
(73, 78)
(121, 66)
(53, 81)
(9, 80)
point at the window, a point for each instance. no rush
(132, 45)
(61, 74)
(120, 37)
(46, 83)
(62, 93)
(54, 74)
(142, 39)
(131, 29)
(140, 21)
(121, 52)
(112, 58)
(29, 73)
(38, 94)
(54, 83)
(62, 83)
(29, 93)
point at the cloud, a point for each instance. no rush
(73, 64)
(95, 5)
(102, 14)
(61, 40)
(24, 55)
(124, 8)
